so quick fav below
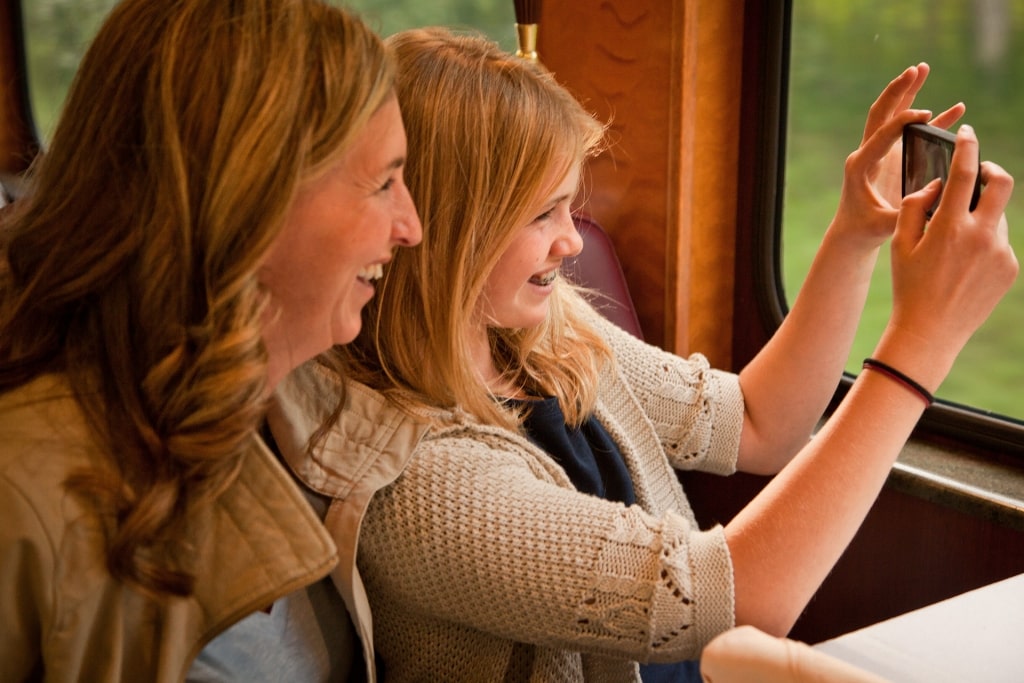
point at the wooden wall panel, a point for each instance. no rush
(665, 190)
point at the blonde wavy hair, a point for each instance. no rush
(489, 134)
(131, 264)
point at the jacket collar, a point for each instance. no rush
(269, 542)
(365, 450)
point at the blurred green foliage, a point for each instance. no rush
(842, 56)
(58, 32)
(495, 18)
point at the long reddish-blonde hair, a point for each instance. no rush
(487, 133)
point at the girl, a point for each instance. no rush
(538, 531)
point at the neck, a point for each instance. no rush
(487, 370)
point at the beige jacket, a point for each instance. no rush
(63, 618)
(365, 451)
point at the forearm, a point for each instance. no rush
(946, 280)
(788, 538)
(787, 386)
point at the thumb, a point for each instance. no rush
(913, 216)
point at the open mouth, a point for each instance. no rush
(544, 280)
(371, 273)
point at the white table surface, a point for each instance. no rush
(977, 637)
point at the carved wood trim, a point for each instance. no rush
(666, 189)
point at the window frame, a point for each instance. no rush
(759, 300)
(760, 303)
(21, 139)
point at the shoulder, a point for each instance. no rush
(341, 454)
(45, 439)
(47, 532)
(639, 361)
(641, 364)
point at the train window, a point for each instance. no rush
(494, 18)
(57, 33)
(841, 56)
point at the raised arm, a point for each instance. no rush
(946, 281)
(787, 386)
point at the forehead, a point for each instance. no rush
(374, 151)
(382, 140)
(561, 180)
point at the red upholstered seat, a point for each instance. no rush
(597, 268)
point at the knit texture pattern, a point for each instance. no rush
(483, 564)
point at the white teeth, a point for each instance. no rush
(371, 273)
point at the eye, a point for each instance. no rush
(544, 216)
(388, 184)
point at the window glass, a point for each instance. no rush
(842, 55)
(494, 18)
(57, 32)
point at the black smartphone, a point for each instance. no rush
(927, 153)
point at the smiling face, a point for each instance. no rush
(517, 291)
(340, 230)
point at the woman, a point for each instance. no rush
(213, 210)
(538, 531)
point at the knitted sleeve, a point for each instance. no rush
(479, 532)
(696, 411)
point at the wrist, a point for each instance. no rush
(852, 231)
(875, 365)
(916, 356)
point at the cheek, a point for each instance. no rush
(503, 278)
(363, 236)
(501, 297)
(341, 249)
(517, 265)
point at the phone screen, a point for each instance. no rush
(927, 154)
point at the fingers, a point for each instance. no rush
(998, 187)
(921, 75)
(880, 141)
(947, 118)
(964, 172)
(913, 215)
(892, 131)
(898, 95)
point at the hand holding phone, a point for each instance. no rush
(927, 153)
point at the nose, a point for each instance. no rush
(569, 242)
(406, 229)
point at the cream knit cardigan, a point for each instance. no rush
(483, 564)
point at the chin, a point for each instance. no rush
(347, 333)
(530, 322)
